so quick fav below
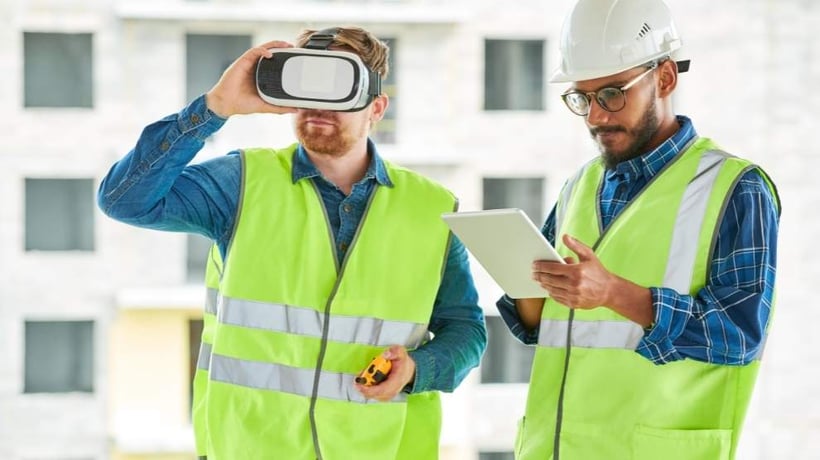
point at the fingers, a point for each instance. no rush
(551, 283)
(253, 55)
(383, 392)
(551, 268)
(387, 389)
(558, 287)
(395, 352)
(554, 277)
(275, 44)
(264, 50)
(584, 252)
(402, 372)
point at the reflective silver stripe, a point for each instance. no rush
(211, 299)
(683, 250)
(308, 322)
(204, 360)
(590, 334)
(293, 380)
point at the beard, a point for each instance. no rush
(326, 140)
(640, 134)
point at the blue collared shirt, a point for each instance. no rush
(155, 187)
(725, 322)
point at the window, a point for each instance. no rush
(58, 70)
(506, 360)
(59, 356)
(513, 75)
(524, 193)
(59, 214)
(206, 57)
(384, 132)
(198, 249)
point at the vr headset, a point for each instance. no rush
(314, 77)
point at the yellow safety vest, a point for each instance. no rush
(295, 327)
(607, 401)
(213, 271)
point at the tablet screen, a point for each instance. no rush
(506, 243)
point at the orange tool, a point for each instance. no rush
(376, 372)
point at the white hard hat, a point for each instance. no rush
(605, 37)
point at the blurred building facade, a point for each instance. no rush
(99, 321)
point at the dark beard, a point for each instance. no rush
(642, 133)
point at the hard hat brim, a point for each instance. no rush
(559, 76)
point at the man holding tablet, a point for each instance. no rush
(649, 344)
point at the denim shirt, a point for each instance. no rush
(725, 322)
(155, 187)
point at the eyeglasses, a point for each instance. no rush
(610, 98)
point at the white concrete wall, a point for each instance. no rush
(755, 67)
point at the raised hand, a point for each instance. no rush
(235, 92)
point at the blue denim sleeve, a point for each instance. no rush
(154, 187)
(725, 322)
(506, 304)
(457, 322)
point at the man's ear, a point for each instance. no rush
(378, 107)
(667, 77)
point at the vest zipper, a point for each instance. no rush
(326, 321)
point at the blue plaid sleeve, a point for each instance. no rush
(725, 322)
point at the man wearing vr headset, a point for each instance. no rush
(649, 344)
(331, 254)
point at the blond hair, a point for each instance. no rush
(373, 51)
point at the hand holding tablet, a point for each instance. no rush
(506, 243)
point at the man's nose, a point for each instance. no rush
(597, 115)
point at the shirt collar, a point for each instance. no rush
(303, 168)
(650, 163)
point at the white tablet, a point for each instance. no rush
(506, 243)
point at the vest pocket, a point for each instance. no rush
(654, 443)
